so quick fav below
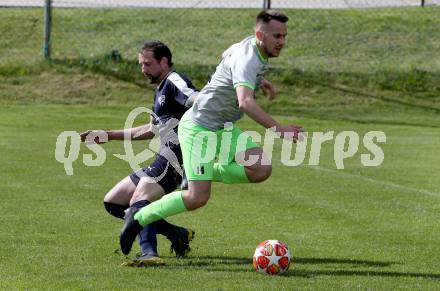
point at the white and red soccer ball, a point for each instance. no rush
(271, 257)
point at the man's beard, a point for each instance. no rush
(152, 78)
(275, 54)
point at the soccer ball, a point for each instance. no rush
(271, 257)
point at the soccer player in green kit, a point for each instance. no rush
(225, 99)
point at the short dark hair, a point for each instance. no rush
(268, 14)
(159, 50)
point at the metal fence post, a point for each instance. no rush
(47, 27)
(266, 4)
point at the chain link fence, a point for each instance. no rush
(329, 37)
(80, 29)
(319, 29)
(298, 4)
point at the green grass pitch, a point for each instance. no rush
(368, 228)
(372, 228)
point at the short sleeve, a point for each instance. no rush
(244, 71)
(181, 91)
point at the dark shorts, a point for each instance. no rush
(162, 170)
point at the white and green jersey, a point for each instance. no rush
(217, 103)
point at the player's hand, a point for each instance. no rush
(94, 136)
(268, 89)
(291, 132)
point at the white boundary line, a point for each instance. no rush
(379, 182)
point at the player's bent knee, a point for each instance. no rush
(261, 174)
(108, 198)
(193, 201)
(121, 193)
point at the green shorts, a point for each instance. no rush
(201, 147)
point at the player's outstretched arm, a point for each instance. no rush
(136, 133)
(247, 104)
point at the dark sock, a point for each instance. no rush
(165, 228)
(115, 209)
(147, 236)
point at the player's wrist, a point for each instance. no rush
(276, 127)
(111, 135)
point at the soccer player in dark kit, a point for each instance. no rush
(173, 96)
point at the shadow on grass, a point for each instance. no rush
(342, 261)
(314, 273)
(361, 94)
(421, 87)
(237, 264)
(128, 70)
(213, 260)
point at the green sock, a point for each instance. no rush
(232, 173)
(168, 205)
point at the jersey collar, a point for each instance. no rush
(260, 55)
(166, 77)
